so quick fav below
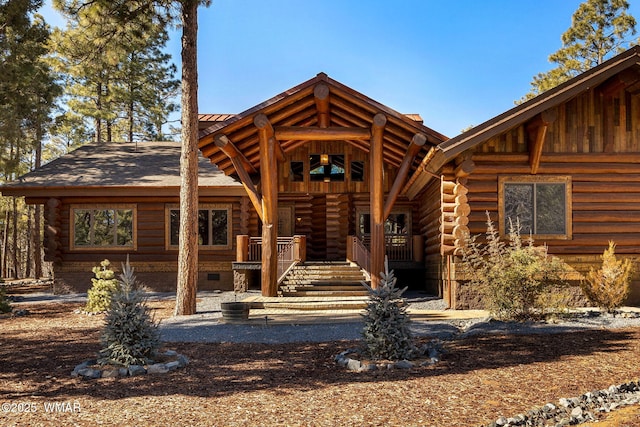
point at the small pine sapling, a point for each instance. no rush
(386, 330)
(130, 336)
(104, 286)
(608, 287)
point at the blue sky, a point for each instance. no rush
(456, 63)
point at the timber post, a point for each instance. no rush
(269, 184)
(376, 202)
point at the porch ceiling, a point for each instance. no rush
(306, 105)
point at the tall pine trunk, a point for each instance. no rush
(37, 215)
(14, 237)
(188, 236)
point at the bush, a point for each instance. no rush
(608, 287)
(5, 306)
(513, 278)
(130, 336)
(104, 285)
(386, 322)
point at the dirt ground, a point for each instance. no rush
(477, 380)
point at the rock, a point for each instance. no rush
(170, 353)
(135, 370)
(183, 360)
(566, 403)
(123, 372)
(172, 366)
(502, 421)
(353, 365)
(111, 373)
(368, 367)
(157, 368)
(576, 412)
(90, 373)
(404, 364)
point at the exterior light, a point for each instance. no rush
(324, 159)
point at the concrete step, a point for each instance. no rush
(317, 293)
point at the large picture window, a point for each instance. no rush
(541, 205)
(326, 167)
(110, 227)
(214, 226)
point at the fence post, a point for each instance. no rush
(300, 248)
(242, 248)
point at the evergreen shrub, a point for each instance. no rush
(130, 336)
(608, 287)
(104, 285)
(5, 306)
(386, 332)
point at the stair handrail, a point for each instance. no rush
(286, 257)
(360, 255)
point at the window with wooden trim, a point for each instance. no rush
(326, 167)
(214, 226)
(98, 227)
(541, 205)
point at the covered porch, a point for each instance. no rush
(333, 156)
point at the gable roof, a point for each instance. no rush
(133, 168)
(297, 107)
(628, 60)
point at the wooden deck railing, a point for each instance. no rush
(291, 250)
(357, 252)
(399, 247)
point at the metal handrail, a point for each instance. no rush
(398, 247)
(286, 258)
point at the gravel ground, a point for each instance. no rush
(207, 325)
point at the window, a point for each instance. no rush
(326, 167)
(357, 171)
(542, 205)
(214, 231)
(398, 223)
(110, 227)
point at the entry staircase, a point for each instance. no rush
(322, 285)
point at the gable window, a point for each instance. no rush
(542, 205)
(326, 167)
(214, 227)
(110, 227)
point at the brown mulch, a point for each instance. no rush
(477, 380)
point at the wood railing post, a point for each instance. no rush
(300, 248)
(350, 256)
(242, 248)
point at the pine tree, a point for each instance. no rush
(386, 330)
(599, 29)
(130, 336)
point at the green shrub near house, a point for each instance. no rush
(513, 277)
(104, 284)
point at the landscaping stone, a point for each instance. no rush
(135, 370)
(576, 410)
(89, 369)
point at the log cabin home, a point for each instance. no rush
(323, 175)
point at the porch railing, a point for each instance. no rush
(357, 252)
(291, 250)
(398, 247)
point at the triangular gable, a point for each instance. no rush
(320, 101)
(622, 70)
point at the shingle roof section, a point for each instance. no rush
(142, 164)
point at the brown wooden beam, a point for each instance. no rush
(376, 198)
(321, 96)
(539, 127)
(235, 156)
(321, 134)
(269, 184)
(417, 142)
(229, 148)
(265, 131)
